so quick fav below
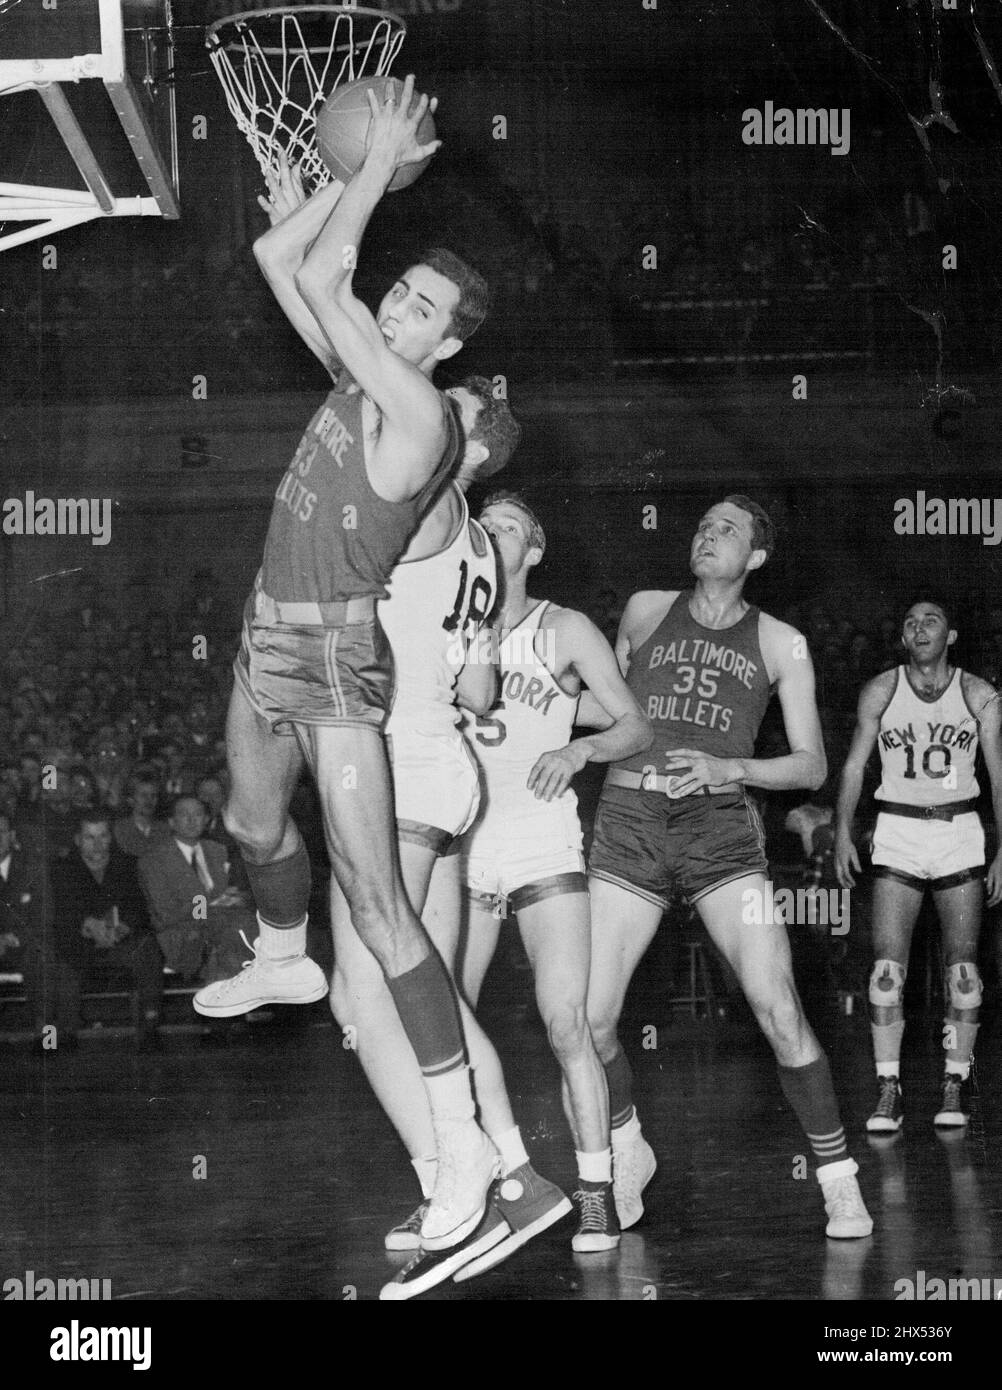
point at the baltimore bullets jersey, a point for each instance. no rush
(702, 688)
(434, 609)
(927, 747)
(331, 536)
(532, 716)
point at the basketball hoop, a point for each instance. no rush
(278, 66)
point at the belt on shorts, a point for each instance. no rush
(340, 614)
(623, 777)
(946, 811)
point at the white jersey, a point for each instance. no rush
(435, 607)
(927, 747)
(532, 715)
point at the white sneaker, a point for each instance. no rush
(467, 1165)
(297, 980)
(633, 1166)
(848, 1218)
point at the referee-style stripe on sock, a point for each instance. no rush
(450, 1064)
(829, 1148)
(810, 1092)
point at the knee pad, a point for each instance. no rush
(887, 984)
(963, 985)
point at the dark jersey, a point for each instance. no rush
(702, 688)
(331, 537)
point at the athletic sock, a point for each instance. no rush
(426, 1169)
(625, 1134)
(281, 889)
(429, 1013)
(594, 1168)
(887, 1045)
(281, 943)
(512, 1150)
(619, 1077)
(964, 1035)
(888, 1069)
(810, 1092)
(961, 1069)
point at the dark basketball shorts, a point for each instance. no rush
(316, 674)
(650, 844)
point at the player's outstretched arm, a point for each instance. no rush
(873, 701)
(985, 701)
(415, 427)
(296, 221)
(581, 649)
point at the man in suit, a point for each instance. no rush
(100, 929)
(196, 913)
(140, 830)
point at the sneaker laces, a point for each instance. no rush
(842, 1199)
(888, 1095)
(951, 1092)
(592, 1204)
(224, 987)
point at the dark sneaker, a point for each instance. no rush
(951, 1113)
(432, 1267)
(529, 1204)
(407, 1235)
(598, 1227)
(889, 1113)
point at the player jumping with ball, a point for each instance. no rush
(927, 719)
(313, 679)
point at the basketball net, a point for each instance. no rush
(278, 67)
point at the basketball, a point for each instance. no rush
(343, 129)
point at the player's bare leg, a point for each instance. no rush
(556, 933)
(623, 926)
(476, 947)
(264, 768)
(896, 907)
(526, 1203)
(757, 948)
(960, 909)
(353, 779)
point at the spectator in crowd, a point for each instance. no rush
(197, 915)
(140, 830)
(100, 931)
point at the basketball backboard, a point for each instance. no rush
(88, 99)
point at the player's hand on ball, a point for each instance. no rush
(846, 860)
(693, 771)
(394, 126)
(285, 191)
(552, 773)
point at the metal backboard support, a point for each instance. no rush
(133, 58)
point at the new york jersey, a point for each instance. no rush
(434, 609)
(927, 747)
(532, 716)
